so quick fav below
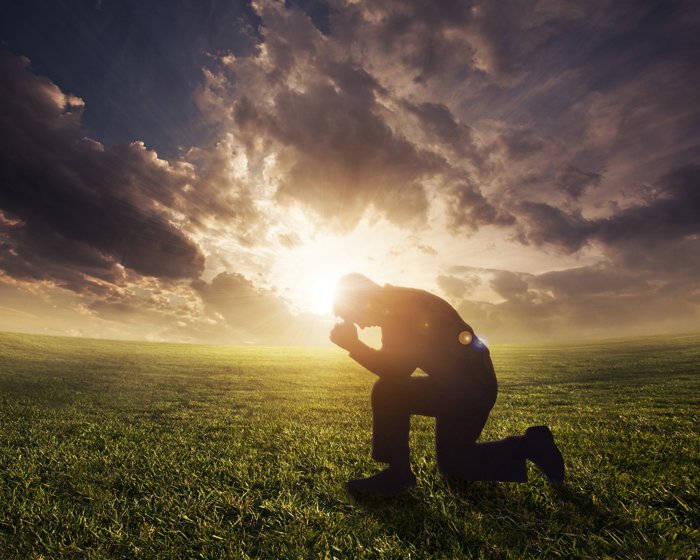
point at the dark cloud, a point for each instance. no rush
(320, 114)
(331, 136)
(599, 280)
(78, 204)
(42, 254)
(550, 225)
(504, 35)
(672, 214)
(340, 158)
(439, 124)
(521, 142)
(647, 281)
(428, 42)
(468, 209)
(669, 214)
(463, 40)
(574, 181)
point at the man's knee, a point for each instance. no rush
(385, 393)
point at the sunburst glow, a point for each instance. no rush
(320, 297)
(309, 271)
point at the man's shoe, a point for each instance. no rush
(386, 483)
(541, 450)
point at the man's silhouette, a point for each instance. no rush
(421, 330)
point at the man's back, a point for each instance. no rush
(423, 329)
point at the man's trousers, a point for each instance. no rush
(460, 409)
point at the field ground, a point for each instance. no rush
(125, 449)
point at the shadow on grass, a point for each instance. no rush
(478, 514)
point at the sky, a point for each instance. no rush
(204, 171)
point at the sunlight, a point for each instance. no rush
(320, 296)
(309, 271)
(305, 273)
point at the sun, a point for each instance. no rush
(310, 271)
(320, 296)
(307, 272)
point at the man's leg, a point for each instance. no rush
(502, 460)
(460, 413)
(456, 432)
(460, 456)
(391, 421)
(393, 402)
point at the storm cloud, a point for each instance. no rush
(69, 203)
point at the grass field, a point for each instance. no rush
(141, 450)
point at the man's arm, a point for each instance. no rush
(379, 362)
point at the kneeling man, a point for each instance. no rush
(421, 330)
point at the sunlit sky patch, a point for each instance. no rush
(206, 171)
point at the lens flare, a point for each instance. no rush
(465, 337)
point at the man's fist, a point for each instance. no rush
(344, 335)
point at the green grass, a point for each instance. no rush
(125, 449)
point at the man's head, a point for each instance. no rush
(355, 300)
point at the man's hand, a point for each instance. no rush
(344, 335)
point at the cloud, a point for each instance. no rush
(115, 226)
(504, 35)
(338, 160)
(668, 214)
(109, 224)
(550, 225)
(521, 142)
(509, 285)
(588, 302)
(219, 195)
(574, 181)
(242, 304)
(254, 314)
(598, 280)
(671, 214)
(439, 124)
(423, 41)
(468, 209)
(76, 204)
(319, 124)
(140, 308)
(457, 287)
